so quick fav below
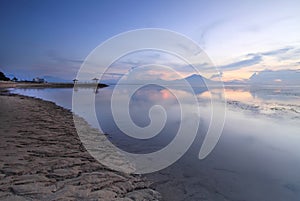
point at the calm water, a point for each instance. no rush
(257, 157)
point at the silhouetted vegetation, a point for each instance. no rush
(3, 77)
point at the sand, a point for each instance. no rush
(42, 158)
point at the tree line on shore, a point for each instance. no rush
(3, 77)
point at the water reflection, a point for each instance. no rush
(139, 106)
(257, 158)
(257, 94)
(277, 94)
(273, 102)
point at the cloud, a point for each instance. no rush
(218, 75)
(269, 77)
(205, 31)
(255, 59)
(134, 63)
(56, 57)
(258, 27)
(65, 60)
(277, 52)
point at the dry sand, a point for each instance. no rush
(42, 158)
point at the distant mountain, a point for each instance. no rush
(196, 80)
(110, 81)
(236, 82)
(281, 77)
(49, 78)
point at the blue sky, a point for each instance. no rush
(241, 37)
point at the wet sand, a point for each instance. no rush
(42, 158)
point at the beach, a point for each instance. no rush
(42, 158)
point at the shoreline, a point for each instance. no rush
(42, 157)
(10, 84)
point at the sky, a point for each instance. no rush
(53, 38)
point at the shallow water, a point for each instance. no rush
(256, 158)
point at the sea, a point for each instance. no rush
(256, 156)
